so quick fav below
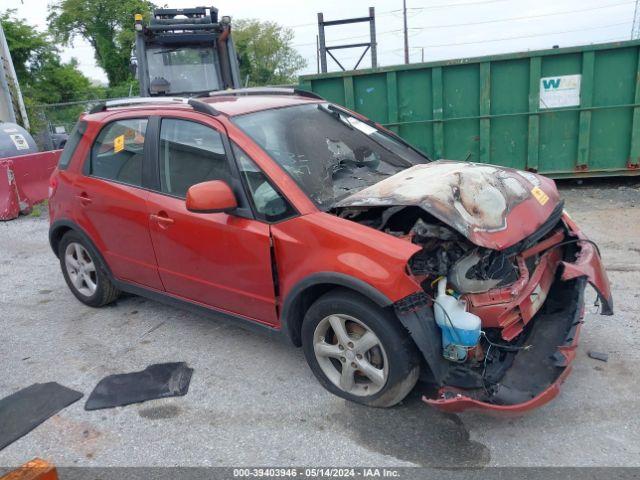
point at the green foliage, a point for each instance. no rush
(60, 82)
(25, 42)
(106, 24)
(44, 78)
(36, 209)
(265, 52)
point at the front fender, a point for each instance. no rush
(323, 251)
(321, 242)
(588, 264)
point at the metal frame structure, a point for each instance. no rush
(635, 28)
(370, 45)
(200, 28)
(12, 107)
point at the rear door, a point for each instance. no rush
(111, 201)
(216, 259)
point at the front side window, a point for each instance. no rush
(268, 203)
(190, 153)
(118, 152)
(328, 152)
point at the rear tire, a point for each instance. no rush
(84, 271)
(359, 351)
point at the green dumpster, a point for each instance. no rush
(565, 112)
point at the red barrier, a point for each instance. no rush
(9, 207)
(24, 181)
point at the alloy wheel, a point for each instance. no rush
(351, 355)
(81, 269)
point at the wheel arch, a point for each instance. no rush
(60, 227)
(309, 289)
(57, 231)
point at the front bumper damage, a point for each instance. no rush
(549, 308)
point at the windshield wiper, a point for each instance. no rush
(335, 113)
(390, 134)
(168, 50)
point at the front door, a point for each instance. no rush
(216, 259)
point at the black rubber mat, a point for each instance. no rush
(156, 381)
(24, 410)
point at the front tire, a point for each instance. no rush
(84, 273)
(359, 351)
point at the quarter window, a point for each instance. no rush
(118, 151)
(72, 143)
(269, 204)
(190, 153)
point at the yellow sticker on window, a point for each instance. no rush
(118, 144)
(539, 195)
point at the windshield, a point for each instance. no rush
(328, 152)
(186, 69)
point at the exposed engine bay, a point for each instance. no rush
(501, 269)
(475, 317)
(445, 252)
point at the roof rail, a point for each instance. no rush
(266, 91)
(203, 107)
(197, 105)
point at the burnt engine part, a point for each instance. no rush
(482, 270)
(469, 269)
(422, 229)
(445, 252)
(441, 248)
(436, 258)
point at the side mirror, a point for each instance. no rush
(211, 197)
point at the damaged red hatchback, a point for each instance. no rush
(278, 208)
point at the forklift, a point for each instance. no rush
(185, 52)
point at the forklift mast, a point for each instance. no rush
(185, 51)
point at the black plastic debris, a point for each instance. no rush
(156, 381)
(24, 410)
(603, 357)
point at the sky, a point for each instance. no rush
(439, 29)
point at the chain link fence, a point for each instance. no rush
(51, 123)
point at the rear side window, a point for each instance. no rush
(71, 145)
(118, 152)
(190, 153)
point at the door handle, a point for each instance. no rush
(84, 199)
(162, 218)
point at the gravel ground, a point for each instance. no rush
(253, 400)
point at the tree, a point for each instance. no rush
(265, 52)
(27, 45)
(106, 24)
(43, 76)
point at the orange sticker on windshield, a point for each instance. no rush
(118, 143)
(539, 195)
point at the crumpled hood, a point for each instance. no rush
(494, 207)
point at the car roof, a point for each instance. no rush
(240, 104)
(235, 102)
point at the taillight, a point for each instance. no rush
(53, 184)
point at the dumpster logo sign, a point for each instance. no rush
(19, 141)
(561, 91)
